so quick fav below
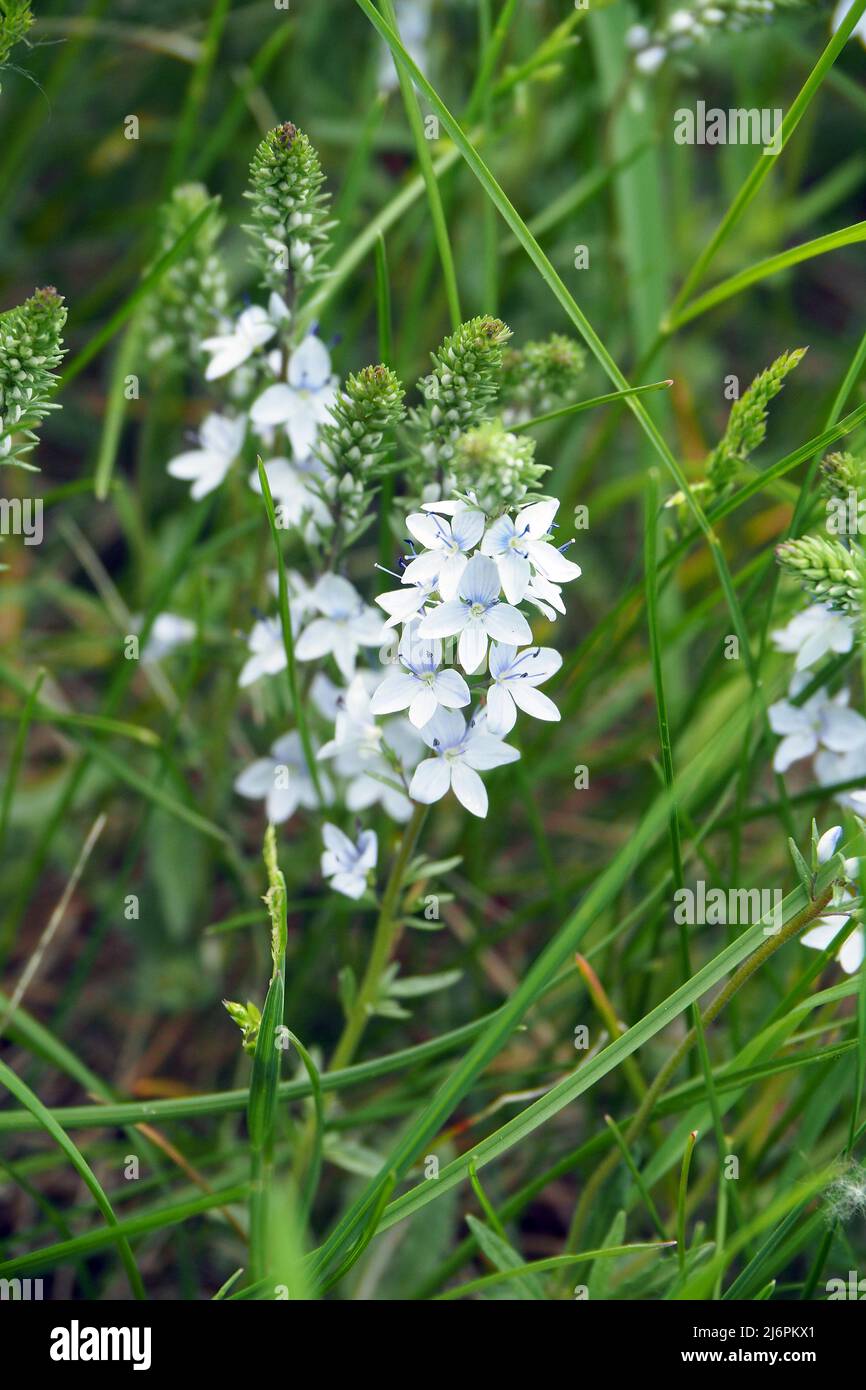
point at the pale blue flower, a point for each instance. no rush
(477, 614)
(346, 864)
(460, 752)
(422, 686)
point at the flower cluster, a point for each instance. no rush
(31, 347)
(540, 376)
(192, 295)
(16, 17)
(686, 28)
(289, 224)
(466, 582)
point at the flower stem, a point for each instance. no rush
(384, 940)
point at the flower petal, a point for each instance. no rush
(430, 781)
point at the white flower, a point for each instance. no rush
(221, 440)
(831, 768)
(296, 498)
(819, 937)
(651, 59)
(302, 403)
(460, 753)
(820, 721)
(813, 633)
(373, 781)
(346, 624)
(268, 651)
(422, 687)
(356, 750)
(282, 780)
(347, 864)
(254, 327)
(514, 678)
(404, 604)
(859, 30)
(477, 614)
(447, 545)
(168, 632)
(355, 729)
(521, 545)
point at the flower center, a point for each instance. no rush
(477, 610)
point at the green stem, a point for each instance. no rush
(384, 940)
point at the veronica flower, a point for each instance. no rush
(421, 687)
(831, 768)
(168, 632)
(346, 623)
(818, 722)
(356, 750)
(813, 633)
(521, 545)
(346, 864)
(825, 931)
(514, 678)
(372, 780)
(221, 440)
(281, 780)
(355, 729)
(477, 614)
(254, 327)
(447, 545)
(267, 651)
(459, 754)
(302, 403)
(404, 604)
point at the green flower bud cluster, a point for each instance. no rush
(540, 376)
(193, 293)
(842, 474)
(497, 467)
(828, 570)
(355, 447)
(16, 17)
(30, 348)
(461, 388)
(248, 1017)
(289, 224)
(747, 423)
